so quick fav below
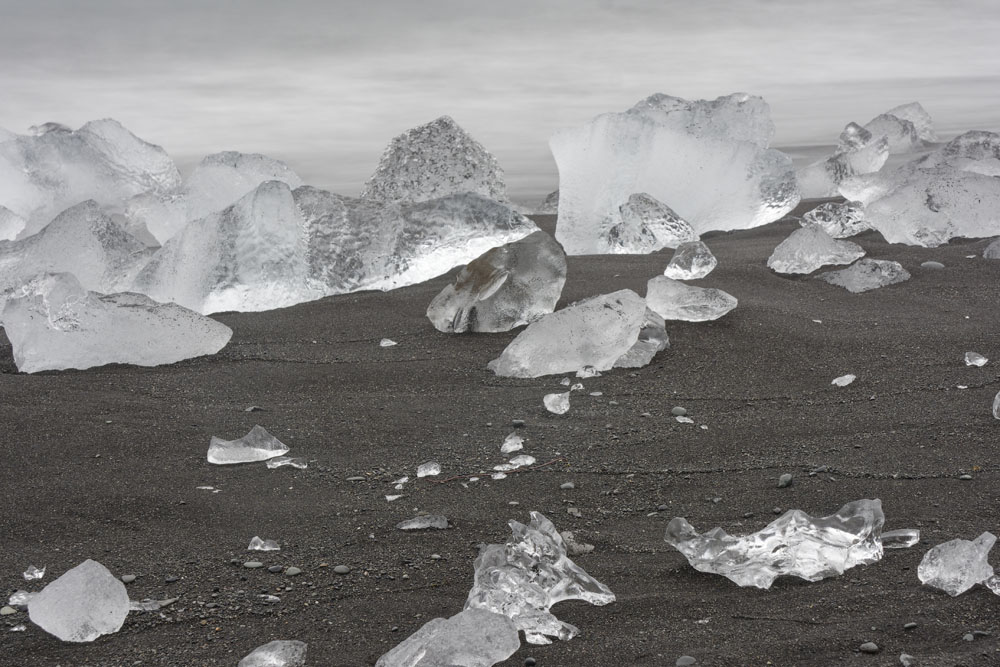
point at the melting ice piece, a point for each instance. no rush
(523, 578)
(844, 380)
(279, 653)
(19, 600)
(54, 323)
(257, 544)
(512, 443)
(11, 224)
(599, 332)
(957, 565)
(588, 372)
(795, 544)
(838, 219)
(557, 403)
(549, 205)
(257, 445)
(975, 359)
(81, 605)
(992, 251)
(859, 152)
(809, 248)
(691, 260)
(33, 573)
(423, 522)
(904, 538)
(646, 225)
(517, 462)
(867, 274)
(429, 469)
(294, 462)
(387, 342)
(674, 300)
(906, 127)
(471, 638)
(504, 288)
(677, 151)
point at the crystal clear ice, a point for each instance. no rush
(867, 274)
(81, 605)
(673, 300)
(808, 248)
(257, 445)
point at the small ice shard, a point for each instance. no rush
(809, 248)
(424, 522)
(429, 469)
(149, 604)
(294, 462)
(588, 372)
(471, 638)
(867, 274)
(577, 386)
(646, 225)
(904, 538)
(565, 382)
(957, 565)
(858, 152)
(549, 205)
(257, 544)
(19, 600)
(257, 445)
(517, 462)
(498, 475)
(975, 359)
(691, 260)
(81, 605)
(838, 219)
(673, 300)
(557, 403)
(279, 653)
(523, 578)
(681, 419)
(844, 380)
(795, 544)
(387, 342)
(33, 573)
(392, 498)
(20, 627)
(506, 287)
(512, 443)
(398, 484)
(53, 323)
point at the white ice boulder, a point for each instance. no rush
(808, 248)
(957, 565)
(673, 300)
(81, 605)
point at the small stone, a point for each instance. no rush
(685, 660)
(566, 486)
(965, 477)
(776, 510)
(784, 481)
(910, 626)
(517, 423)
(572, 511)
(968, 636)
(907, 660)
(128, 578)
(662, 508)
(932, 265)
(356, 478)
(253, 564)
(293, 572)
(529, 662)
(678, 411)
(274, 569)
(435, 556)
(869, 647)
(7, 610)
(170, 579)
(342, 569)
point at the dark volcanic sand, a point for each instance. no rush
(104, 464)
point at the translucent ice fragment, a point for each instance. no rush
(957, 565)
(992, 251)
(795, 544)
(557, 403)
(81, 605)
(867, 274)
(903, 538)
(646, 225)
(996, 406)
(19, 599)
(588, 372)
(512, 443)
(858, 153)
(294, 462)
(844, 380)
(809, 248)
(549, 205)
(257, 445)
(674, 300)
(11, 224)
(429, 469)
(257, 544)
(498, 475)
(279, 653)
(691, 260)
(472, 638)
(423, 522)
(906, 127)
(681, 419)
(33, 573)
(838, 219)
(523, 578)
(975, 359)
(387, 342)
(393, 497)
(517, 462)
(149, 604)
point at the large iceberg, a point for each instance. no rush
(471, 638)
(858, 152)
(54, 323)
(81, 605)
(708, 159)
(808, 248)
(673, 300)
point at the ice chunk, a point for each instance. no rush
(557, 403)
(992, 251)
(19, 600)
(518, 461)
(81, 605)
(918, 117)
(471, 638)
(645, 225)
(838, 219)
(598, 332)
(387, 342)
(149, 604)
(588, 372)
(523, 578)
(904, 538)
(423, 522)
(504, 288)
(844, 380)
(279, 653)
(708, 159)
(432, 161)
(652, 339)
(996, 406)
(957, 565)
(280, 461)
(853, 137)
(53, 323)
(809, 248)
(867, 274)
(975, 359)
(907, 127)
(429, 469)
(33, 573)
(691, 260)
(257, 445)
(257, 544)
(549, 205)
(512, 443)
(795, 544)
(857, 153)
(674, 300)
(11, 224)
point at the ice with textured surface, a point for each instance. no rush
(808, 248)
(258, 544)
(81, 605)
(297, 462)
(549, 205)
(906, 127)
(794, 544)
(471, 638)
(645, 225)
(11, 224)
(975, 359)
(957, 565)
(674, 300)
(557, 403)
(279, 653)
(844, 380)
(691, 260)
(867, 274)
(858, 152)
(429, 469)
(838, 219)
(424, 522)
(257, 445)
(512, 443)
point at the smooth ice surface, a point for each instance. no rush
(33, 573)
(549, 205)
(645, 225)
(435, 160)
(281, 461)
(279, 653)
(471, 638)
(957, 565)
(258, 544)
(808, 248)
(518, 461)
(81, 605)
(858, 152)
(503, 288)
(424, 522)
(673, 300)
(257, 445)
(53, 323)
(11, 224)
(794, 544)
(512, 443)
(844, 380)
(523, 578)
(867, 274)
(429, 469)
(598, 332)
(690, 261)
(906, 128)
(707, 159)
(903, 538)
(838, 219)
(975, 359)
(557, 403)
(992, 251)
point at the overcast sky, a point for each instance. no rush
(324, 84)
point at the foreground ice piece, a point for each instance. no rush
(795, 544)
(33, 573)
(691, 260)
(512, 443)
(424, 522)
(557, 403)
(844, 380)
(708, 159)
(294, 462)
(646, 225)
(257, 445)
(504, 288)
(906, 127)
(809, 248)
(279, 653)
(599, 332)
(518, 461)
(523, 578)
(429, 469)
(867, 274)
(957, 565)
(975, 359)
(674, 300)
(53, 323)
(838, 219)
(471, 638)
(859, 152)
(902, 538)
(257, 544)
(81, 605)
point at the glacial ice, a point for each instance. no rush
(81, 605)
(258, 544)
(53, 323)
(867, 274)
(674, 300)
(523, 578)
(975, 359)
(294, 462)
(518, 461)
(424, 522)
(598, 332)
(838, 219)
(996, 406)
(957, 565)
(808, 248)
(429, 469)
(20, 599)
(858, 152)
(504, 288)
(33, 573)
(557, 403)
(646, 225)
(992, 251)
(708, 159)
(549, 205)
(844, 380)
(279, 653)
(257, 445)
(471, 638)
(902, 538)
(907, 128)
(512, 443)
(11, 224)
(795, 544)
(692, 260)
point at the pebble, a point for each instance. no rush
(969, 637)
(517, 423)
(356, 478)
(572, 511)
(128, 578)
(274, 569)
(170, 579)
(435, 556)
(529, 662)
(341, 569)
(253, 564)
(685, 660)
(293, 571)
(784, 480)
(7, 610)
(678, 411)
(869, 647)
(662, 508)
(776, 510)
(907, 660)
(566, 486)
(965, 477)
(910, 626)
(932, 265)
